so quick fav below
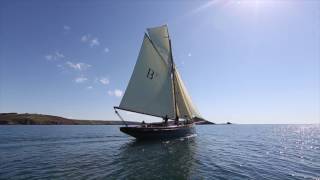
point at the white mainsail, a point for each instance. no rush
(154, 87)
(150, 88)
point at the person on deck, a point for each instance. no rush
(166, 120)
(176, 121)
(143, 124)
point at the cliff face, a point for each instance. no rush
(40, 119)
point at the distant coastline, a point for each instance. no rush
(42, 119)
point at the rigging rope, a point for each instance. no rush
(124, 122)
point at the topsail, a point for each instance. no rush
(160, 38)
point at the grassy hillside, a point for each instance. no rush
(40, 119)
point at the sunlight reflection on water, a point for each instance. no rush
(215, 152)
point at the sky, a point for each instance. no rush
(244, 61)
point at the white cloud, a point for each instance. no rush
(59, 55)
(89, 87)
(189, 54)
(116, 93)
(49, 57)
(54, 56)
(67, 28)
(94, 42)
(110, 93)
(80, 79)
(106, 50)
(61, 67)
(104, 81)
(78, 66)
(90, 40)
(85, 38)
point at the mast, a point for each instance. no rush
(174, 88)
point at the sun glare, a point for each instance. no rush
(254, 4)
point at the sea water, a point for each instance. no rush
(215, 152)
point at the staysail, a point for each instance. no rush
(155, 87)
(186, 109)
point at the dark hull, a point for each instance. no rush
(159, 132)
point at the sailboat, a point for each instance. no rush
(156, 89)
